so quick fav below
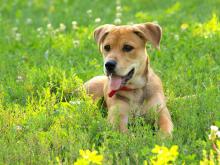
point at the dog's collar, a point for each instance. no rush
(123, 88)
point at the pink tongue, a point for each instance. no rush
(115, 82)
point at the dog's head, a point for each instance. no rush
(123, 49)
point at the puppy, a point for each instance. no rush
(129, 81)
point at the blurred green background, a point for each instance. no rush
(47, 51)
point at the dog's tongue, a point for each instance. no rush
(115, 82)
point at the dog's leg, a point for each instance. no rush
(95, 86)
(118, 114)
(164, 121)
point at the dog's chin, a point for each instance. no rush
(125, 78)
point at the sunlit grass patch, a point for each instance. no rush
(63, 42)
(142, 16)
(174, 8)
(208, 29)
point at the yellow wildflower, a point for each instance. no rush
(88, 157)
(81, 161)
(184, 26)
(207, 160)
(145, 162)
(164, 155)
(208, 29)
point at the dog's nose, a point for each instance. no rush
(110, 65)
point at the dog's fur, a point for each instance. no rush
(147, 91)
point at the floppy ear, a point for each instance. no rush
(149, 32)
(101, 32)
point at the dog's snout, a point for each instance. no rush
(110, 65)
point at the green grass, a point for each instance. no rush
(43, 119)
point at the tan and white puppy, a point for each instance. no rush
(129, 81)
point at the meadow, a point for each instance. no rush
(47, 51)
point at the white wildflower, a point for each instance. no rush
(76, 43)
(18, 37)
(130, 23)
(89, 12)
(14, 29)
(77, 102)
(155, 21)
(206, 36)
(176, 37)
(28, 21)
(117, 21)
(19, 79)
(18, 128)
(97, 20)
(214, 128)
(74, 25)
(118, 8)
(218, 134)
(210, 137)
(49, 26)
(62, 27)
(39, 30)
(57, 31)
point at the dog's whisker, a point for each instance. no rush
(110, 76)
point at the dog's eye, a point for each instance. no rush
(107, 48)
(127, 48)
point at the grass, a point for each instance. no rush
(43, 120)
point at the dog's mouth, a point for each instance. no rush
(116, 82)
